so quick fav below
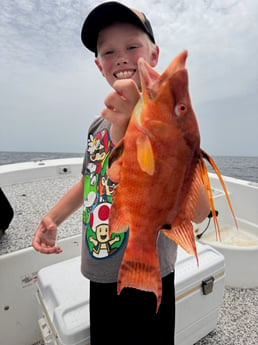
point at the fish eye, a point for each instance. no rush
(180, 109)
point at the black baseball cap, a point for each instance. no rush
(107, 14)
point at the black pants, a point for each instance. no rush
(131, 318)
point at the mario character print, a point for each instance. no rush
(98, 189)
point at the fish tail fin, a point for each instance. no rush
(141, 274)
(183, 235)
(212, 163)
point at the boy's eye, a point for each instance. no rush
(131, 47)
(108, 52)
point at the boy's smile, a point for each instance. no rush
(125, 74)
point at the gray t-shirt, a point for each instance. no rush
(102, 255)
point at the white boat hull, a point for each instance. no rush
(18, 270)
(18, 313)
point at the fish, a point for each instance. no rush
(158, 167)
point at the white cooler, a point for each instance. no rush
(199, 293)
(63, 295)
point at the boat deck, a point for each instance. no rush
(30, 201)
(237, 322)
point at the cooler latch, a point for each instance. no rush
(45, 331)
(207, 285)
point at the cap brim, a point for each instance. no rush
(103, 16)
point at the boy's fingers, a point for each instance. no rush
(127, 89)
(35, 244)
(119, 107)
(115, 117)
(50, 250)
(124, 98)
(43, 242)
(45, 249)
(117, 103)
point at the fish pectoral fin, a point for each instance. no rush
(117, 221)
(117, 225)
(114, 171)
(115, 161)
(117, 229)
(116, 152)
(183, 235)
(145, 154)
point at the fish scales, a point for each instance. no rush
(158, 166)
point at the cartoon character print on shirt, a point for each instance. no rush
(98, 189)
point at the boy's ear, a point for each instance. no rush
(155, 56)
(99, 66)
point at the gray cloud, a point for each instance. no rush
(51, 89)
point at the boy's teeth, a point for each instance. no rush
(124, 74)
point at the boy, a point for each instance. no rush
(118, 36)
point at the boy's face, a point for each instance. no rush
(119, 48)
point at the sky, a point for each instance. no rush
(51, 89)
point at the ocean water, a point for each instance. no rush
(242, 167)
(19, 157)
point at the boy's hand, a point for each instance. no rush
(45, 237)
(119, 107)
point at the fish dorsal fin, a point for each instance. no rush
(115, 161)
(207, 186)
(208, 189)
(151, 80)
(145, 154)
(181, 230)
(183, 235)
(176, 65)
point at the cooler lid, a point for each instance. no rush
(187, 271)
(65, 294)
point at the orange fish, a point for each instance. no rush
(159, 168)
